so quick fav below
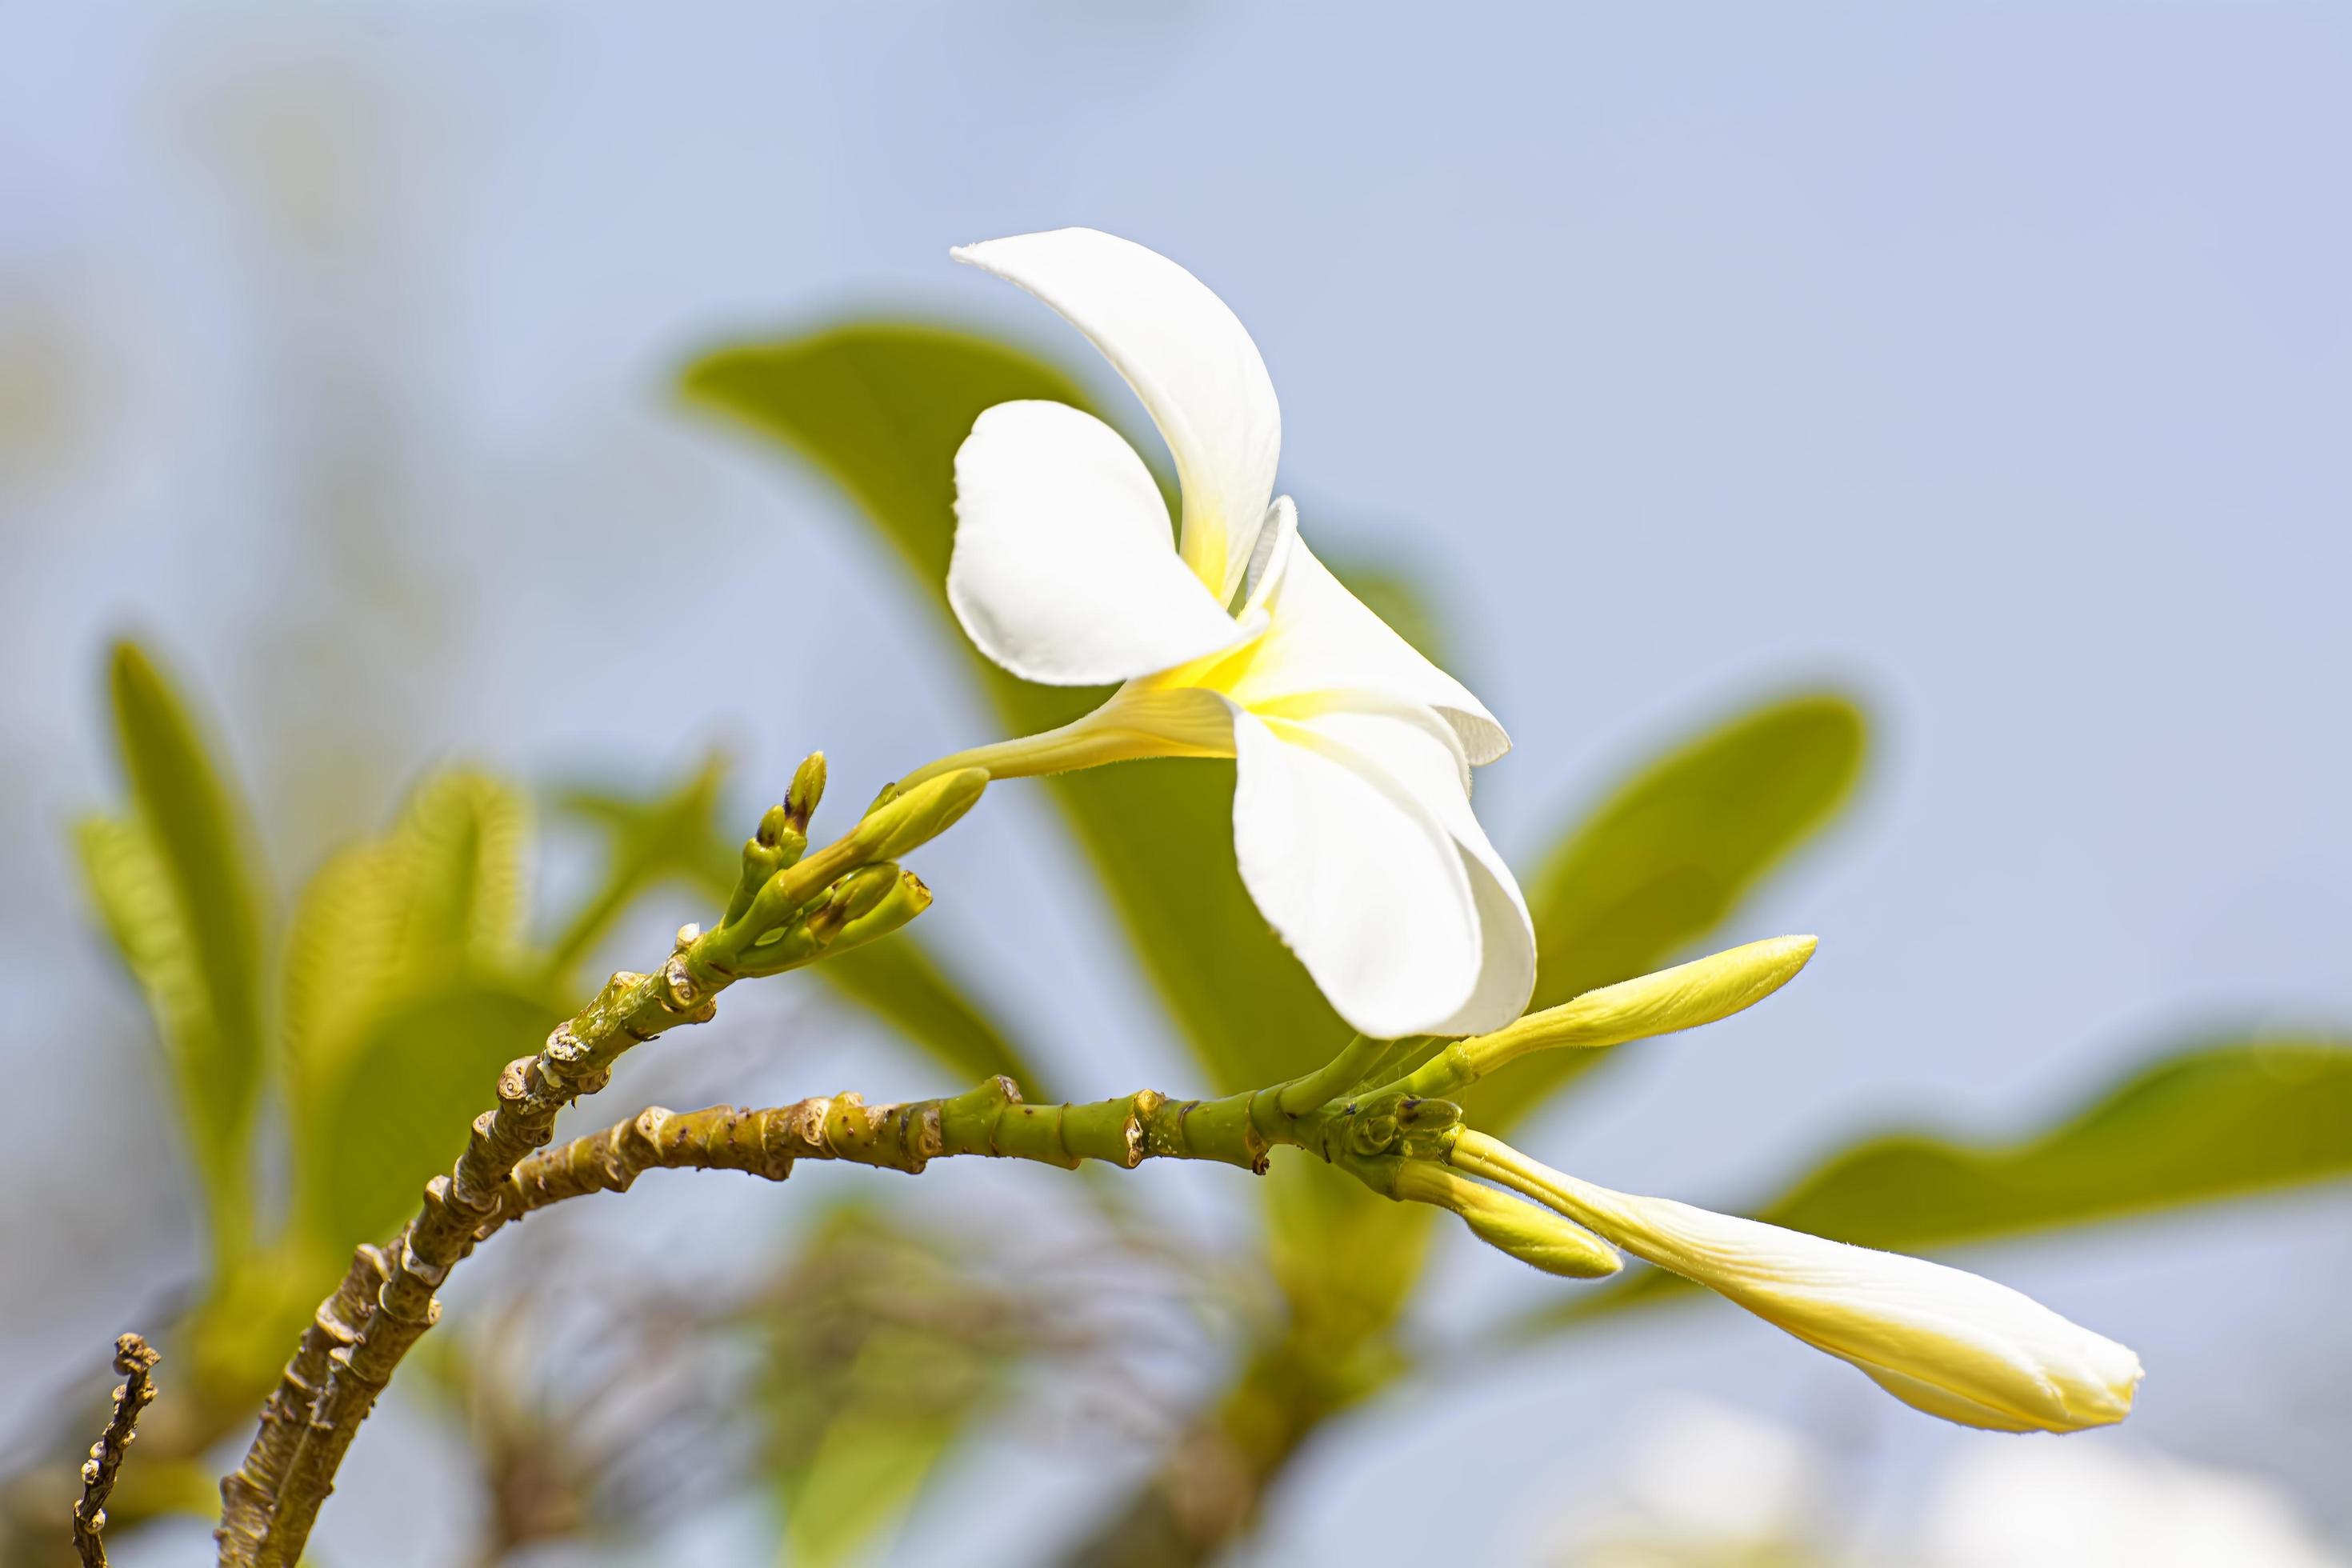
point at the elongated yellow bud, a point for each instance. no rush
(918, 815)
(905, 897)
(1681, 998)
(1941, 1339)
(808, 788)
(1536, 1236)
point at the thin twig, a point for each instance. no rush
(136, 1361)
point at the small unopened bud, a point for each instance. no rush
(919, 815)
(776, 845)
(905, 897)
(856, 894)
(1536, 1236)
(1683, 997)
(808, 788)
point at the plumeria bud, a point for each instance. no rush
(808, 788)
(1941, 1339)
(1536, 1236)
(901, 901)
(1683, 997)
(917, 816)
(775, 845)
(855, 895)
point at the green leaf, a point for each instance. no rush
(393, 937)
(882, 408)
(174, 886)
(459, 849)
(1668, 856)
(899, 981)
(2221, 1122)
(403, 1110)
(342, 952)
(866, 1472)
(674, 836)
(2211, 1123)
(434, 903)
(883, 1347)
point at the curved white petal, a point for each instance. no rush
(1186, 356)
(1323, 638)
(1416, 749)
(1362, 882)
(1507, 946)
(1062, 571)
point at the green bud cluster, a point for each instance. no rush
(789, 908)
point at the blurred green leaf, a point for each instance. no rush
(674, 836)
(884, 1348)
(340, 954)
(881, 408)
(869, 1468)
(402, 1111)
(2218, 1123)
(387, 935)
(899, 980)
(174, 886)
(437, 901)
(1668, 856)
(460, 851)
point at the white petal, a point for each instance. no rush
(1186, 356)
(1416, 749)
(1362, 882)
(1507, 946)
(1323, 638)
(1062, 571)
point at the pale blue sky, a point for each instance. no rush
(1995, 360)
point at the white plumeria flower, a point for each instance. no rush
(1951, 1344)
(1351, 814)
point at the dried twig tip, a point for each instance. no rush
(135, 1360)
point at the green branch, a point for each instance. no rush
(991, 1122)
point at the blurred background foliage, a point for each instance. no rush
(1718, 351)
(325, 1053)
